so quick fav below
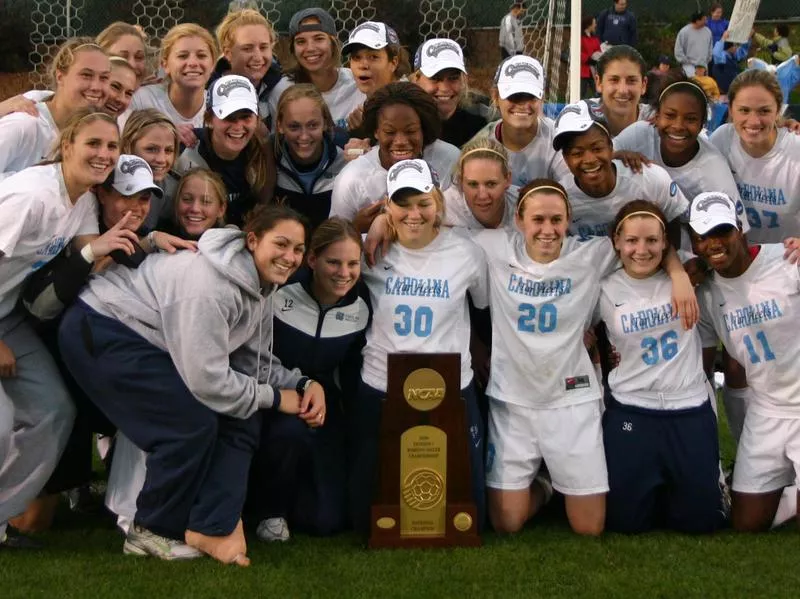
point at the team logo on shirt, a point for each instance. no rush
(224, 89)
(673, 189)
(397, 170)
(130, 166)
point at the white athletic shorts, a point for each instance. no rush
(569, 439)
(768, 457)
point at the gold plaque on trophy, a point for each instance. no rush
(424, 481)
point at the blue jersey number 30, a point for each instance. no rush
(419, 321)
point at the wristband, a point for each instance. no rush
(302, 385)
(87, 253)
(151, 239)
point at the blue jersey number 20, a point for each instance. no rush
(419, 321)
(546, 320)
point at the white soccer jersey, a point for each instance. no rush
(591, 217)
(342, 99)
(157, 96)
(25, 140)
(37, 220)
(458, 214)
(661, 363)
(38, 95)
(536, 160)
(769, 186)
(419, 303)
(757, 317)
(707, 171)
(363, 181)
(539, 315)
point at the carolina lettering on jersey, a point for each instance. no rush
(531, 288)
(763, 195)
(437, 288)
(647, 319)
(753, 314)
(588, 231)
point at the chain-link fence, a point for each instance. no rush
(31, 29)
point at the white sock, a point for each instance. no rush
(787, 508)
(735, 401)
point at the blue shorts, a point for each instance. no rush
(663, 469)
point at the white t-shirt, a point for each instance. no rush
(539, 315)
(37, 220)
(25, 140)
(458, 214)
(537, 159)
(342, 99)
(157, 96)
(592, 217)
(769, 186)
(419, 302)
(707, 171)
(363, 181)
(659, 359)
(757, 316)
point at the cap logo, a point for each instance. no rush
(224, 89)
(571, 109)
(132, 165)
(435, 49)
(704, 204)
(514, 68)
(368, 25)
(391, 36)
(399, 169)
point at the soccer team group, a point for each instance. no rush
(183, 269)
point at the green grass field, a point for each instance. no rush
(83, 558)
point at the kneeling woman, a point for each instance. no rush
(418, 292)
(543, 288)
(659, 431)
(176, 354)
(298, 476)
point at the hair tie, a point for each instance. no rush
(640, 213)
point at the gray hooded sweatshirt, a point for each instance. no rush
(208, 311)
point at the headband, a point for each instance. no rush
(640, 213)
(541, 188)
(490, 150)
(687, 83)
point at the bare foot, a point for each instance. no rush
(231, 549)
(38, 516)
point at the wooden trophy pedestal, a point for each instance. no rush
(424, 493)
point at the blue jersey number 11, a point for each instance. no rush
(751, 350)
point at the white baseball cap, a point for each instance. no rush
(133, 175)
(439, 54)
(372, 34)
(231, 93)
(577, 118)
(519, 75)
(711, 209)
(410, 174)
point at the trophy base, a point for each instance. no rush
(461, 529)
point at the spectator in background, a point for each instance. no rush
(778, 46)
(590, 53)
(693, 44)
(655, 77)
(716, 23)
(511, 42)
(617, 25)
(706, 82)
(727, 56)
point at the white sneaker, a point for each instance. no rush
(273, 529)
(141, 541)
